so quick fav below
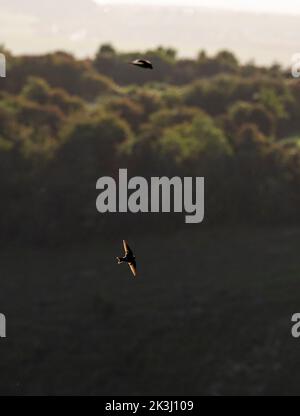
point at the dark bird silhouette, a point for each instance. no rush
(142, 63)
(128, 258)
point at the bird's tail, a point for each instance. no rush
(119, 260)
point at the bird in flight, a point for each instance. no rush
(142, 63)
(128, 258)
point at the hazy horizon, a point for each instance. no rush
(257, 6)
(35, 28)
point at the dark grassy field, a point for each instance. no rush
(218, 322)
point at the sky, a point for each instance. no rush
(39, 27)
(271, 6)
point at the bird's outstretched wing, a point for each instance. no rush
(132, 266)
(127, 249)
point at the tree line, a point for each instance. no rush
(66, 122)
